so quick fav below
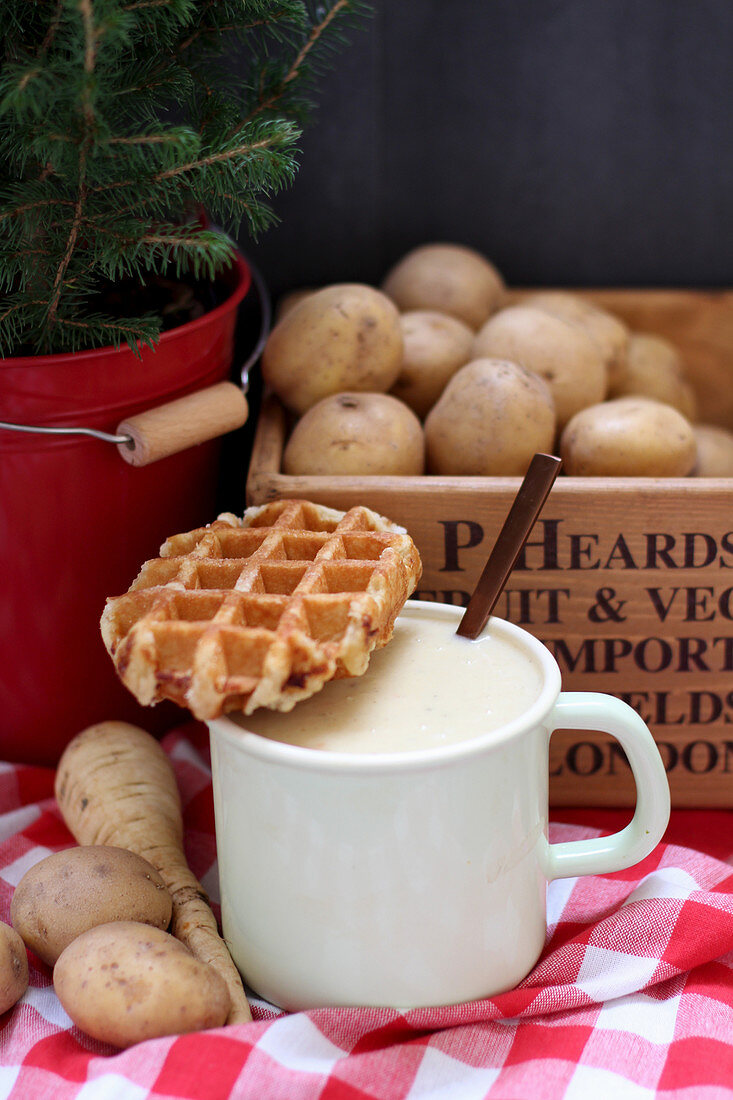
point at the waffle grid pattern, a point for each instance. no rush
(263, 610)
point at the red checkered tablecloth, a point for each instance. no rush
(631, 999)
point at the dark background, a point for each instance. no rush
(573, 142)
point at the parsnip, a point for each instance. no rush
(115, 785)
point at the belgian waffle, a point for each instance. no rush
(261, 611)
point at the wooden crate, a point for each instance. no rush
(629, 582)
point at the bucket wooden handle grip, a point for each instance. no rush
(177, 425)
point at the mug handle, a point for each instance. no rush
(591, 710)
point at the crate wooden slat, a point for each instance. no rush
(628, 581)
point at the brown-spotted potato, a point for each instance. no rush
(714, 451)
(560, 352)
(628, 437)
(71, 891)
(435, 346)
(610, 333)
(448, 278)
(362, 434)
(13, 967)
(342, 338)
(655, 368)
(492, 418)
(124, 982)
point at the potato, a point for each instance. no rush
(13, 967)
(492, 418)
(435, 346)
(449, 278)
(609, 332)
(655, 369)
(71, 891)
(628, 437)
(125, 982)
(557, 350)
(714, 451)
(356, 433)
(344, 337)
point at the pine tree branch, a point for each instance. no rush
(115, 117)
(29, 75)
(238, 27)
(135, 89)
(144, 139)
(216, 31)
(296, 66)
(53, 26)
(129, 139)
(237, 200)
(194, 165)
(116, 326)
(90, 44)
(21, 305)
(147, 4)
(19, 254)
(71, 244)
(27, 207)
(166, 240)
(313, 37)
(217, 158)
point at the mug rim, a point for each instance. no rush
(300, 757)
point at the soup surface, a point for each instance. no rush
(427, 688)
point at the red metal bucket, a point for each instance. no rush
(76, 521)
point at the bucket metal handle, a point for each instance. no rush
(186, 421)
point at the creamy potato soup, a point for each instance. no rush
(427, 688)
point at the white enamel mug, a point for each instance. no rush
(410, 879)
